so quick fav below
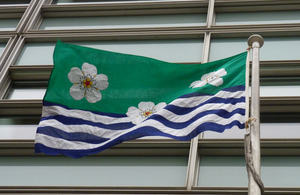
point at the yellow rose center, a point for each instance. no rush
(87, 83)
(147, 113)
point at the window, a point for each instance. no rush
(162, 50)
(8, 24)
(271, 50)
(2, 47)
(94, 171)
(107, 22)
(18, 128)
(26, 93)
(16, 2)
(230, 171)
(254, 18)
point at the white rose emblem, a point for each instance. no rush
(87, 83)
(213, 78)
(144, 110)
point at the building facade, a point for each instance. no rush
(181, 31)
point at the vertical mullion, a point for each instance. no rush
(26, 16)
(194, 158)
(206, 47)
(36, 17)
(7, 49)
(4, 66)
(192, 164)
(16, 51)
(210, 14)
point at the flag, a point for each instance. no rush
(97, 99)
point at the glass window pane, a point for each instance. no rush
(14, 128)
(230, 171)
(244, 18)
(14, 2)
(94, 171)
(2, 47)
(223, 48)
(123, 22)
(222, 171)
(27, 93)
(36, 54)
(8, 24)
(18, 132)
(272, 49)
(280, 130)
(185, 50)
(234, 133)
(267, 130)
(281, 171)
(279, 91)
(91, 1)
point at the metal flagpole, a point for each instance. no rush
(256, 42)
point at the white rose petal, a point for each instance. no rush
(101, 82)
(89, 69)
(206, 76)
(76, 92)
(75, 75)
(160, 106)
(196, 84)
(133, 111)
(222, 72)
(93, 96)
(146, 105)
(216, 82)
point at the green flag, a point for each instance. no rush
(101, 98)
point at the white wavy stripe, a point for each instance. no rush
(86, 115)
(60, 143)
(170, 116)
(156, 124)
(195, 101)
(101, 132)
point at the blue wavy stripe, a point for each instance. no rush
(230, 89)
(175, 125)
(235, 88)
(140, 132)
(185, 110)
(77, 121)
(115, 115)
(75, 136)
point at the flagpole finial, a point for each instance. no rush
(256, 38)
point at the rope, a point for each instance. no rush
(249, 121)
(247, 89)
(249, 163)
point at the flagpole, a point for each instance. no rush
(256, 42)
